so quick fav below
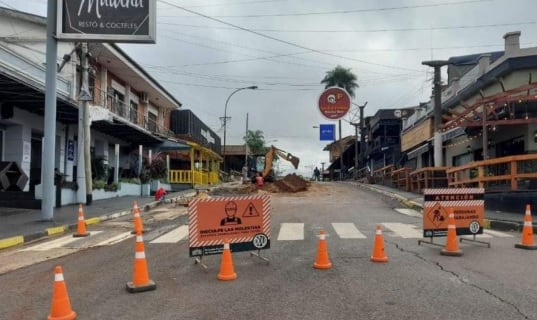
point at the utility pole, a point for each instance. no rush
(47, 164)
(85, 97)
(340, 153)
(437, 65)
(359, 157)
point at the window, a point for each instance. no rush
(134, 112)
(152, 122)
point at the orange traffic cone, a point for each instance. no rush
(527, 241)
(138, 227)
(322, 261)
(379, 255)
(140, 280)
(60, 308)
(452, 244)
(81, 227)
(227, 271)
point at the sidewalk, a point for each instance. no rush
(497, 220)
(18, 226)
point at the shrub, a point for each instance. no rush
(98, 184)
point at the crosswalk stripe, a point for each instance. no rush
(404, 230)
(120, 237)
(498, 233)
(347, 231)
(291, 231)
(57, 243)
(409, 212)
(173, 236)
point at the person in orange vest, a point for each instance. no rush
(259, 180)
(160, 194)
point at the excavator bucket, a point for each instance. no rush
(294, 160)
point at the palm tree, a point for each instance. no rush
(341, 77)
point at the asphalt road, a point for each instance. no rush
(416, 283)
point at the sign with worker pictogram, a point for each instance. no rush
(334, 103)
(245, 221)
(468, 207)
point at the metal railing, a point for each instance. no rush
(193, 177)
(500, 174)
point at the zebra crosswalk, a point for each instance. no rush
(286, 231)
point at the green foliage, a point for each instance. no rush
(111, 187)
(99, 167)
(341, 77)
(98, 184)
(255, 142)
(131, 180)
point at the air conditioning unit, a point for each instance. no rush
(144, 97)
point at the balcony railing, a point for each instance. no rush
(131, 114)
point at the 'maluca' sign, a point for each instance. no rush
(107, 20)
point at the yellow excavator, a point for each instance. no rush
(273, 152)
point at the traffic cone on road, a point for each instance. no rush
(140, 280)
(227, 272)
(60, 308)
(322, 261)
(81, 226)
(138, 226)
(452, 244)
(379, 255)
(527, 241)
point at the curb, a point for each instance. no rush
(22, 239)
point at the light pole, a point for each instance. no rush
(225, 120)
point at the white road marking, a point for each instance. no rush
(409, 212)
(404, 230)
(347, 231)
(57, 243)
(120, 237)
(498, 233)
(173, 236)
(291, 231)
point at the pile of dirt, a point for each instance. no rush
(291, 183)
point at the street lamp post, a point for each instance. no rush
(225, 120)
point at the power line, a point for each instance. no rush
(345, 11)
(480, 26)
(290, 43)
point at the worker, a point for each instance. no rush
(160, 195)
(259, 180)
(317, 174)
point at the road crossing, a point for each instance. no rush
(286, 231)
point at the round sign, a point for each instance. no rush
(474, 227)
(260, 241)
(334, 103)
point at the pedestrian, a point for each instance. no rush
(160, 194)
(259, 180)
(244, 174)
(317, 174)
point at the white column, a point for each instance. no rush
(140, 159)
(116, 164)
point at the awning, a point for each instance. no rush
(169, 145)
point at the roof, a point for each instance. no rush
(347, 141)
(473, 59)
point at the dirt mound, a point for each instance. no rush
(291, 183)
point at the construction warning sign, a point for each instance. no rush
(468, 207)
(245, 221)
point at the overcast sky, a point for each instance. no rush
(207, 48)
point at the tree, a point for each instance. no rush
(341, 77)
(255, 142)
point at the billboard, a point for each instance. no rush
(107, 21)
(327, 132)
(334, 103)
(244, 221)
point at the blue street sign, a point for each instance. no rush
(327, 132)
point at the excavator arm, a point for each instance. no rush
(269, 157)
